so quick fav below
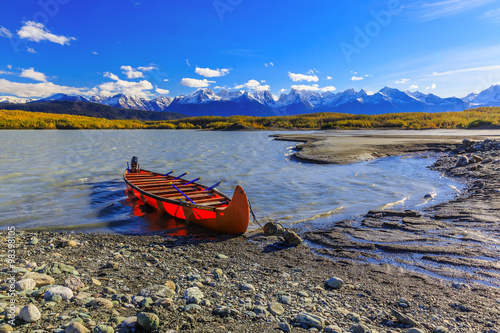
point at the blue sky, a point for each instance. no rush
(153, 47)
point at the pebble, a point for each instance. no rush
(285, 327)
(414, 330)
(335, 283)
(221, 256)
(247, 287)
(96, 282)
(30, 313)
(74, 283)
(440, 329)
(291, 237)
(64, 292)
(76, 328)
(310, 320)
(462, 161)
(4, 328)
(193, 295)
(40, 279)
(148, 321)
(332, 329)
(129, 322)
(171, 285)
(103, 329)
(285, 299)
(101, 303)
(157, 290)
(25, 284)
(276, 308)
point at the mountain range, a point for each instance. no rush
(204, 102)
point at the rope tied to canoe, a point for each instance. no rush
(275, 228)
(253, 215)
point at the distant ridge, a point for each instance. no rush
(90, 110)
(204, 102)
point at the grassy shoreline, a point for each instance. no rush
(473, 118)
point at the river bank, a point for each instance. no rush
(254, 283)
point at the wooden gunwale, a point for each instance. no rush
(177, 202)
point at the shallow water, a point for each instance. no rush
(72, 180)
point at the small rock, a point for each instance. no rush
(414, 330)
(477, 159)
(292, 238)
(217, 273)
(462, 161)
(64, 292)
(30, 313)
(4, 328)
(440, 329)
(285, 299)
(76, 328)
(310, 320)
(260, 310)
(403, 319)
(31, 265)
(103, 329)
(221, 256)
(25, 284)
(157, 290)
(148, 321)
(40, 279)
(247, 287)
(68, 243)
(129, 322)
(193, 295)
(101, 303)
(192, 308)
(96, 282)
(74, 283)
(285, 327)
(276, 308)
(171, 285)
(335, 283)
(271, 228)
(33, 241)
(359, 328)
(332, 329)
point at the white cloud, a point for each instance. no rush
(402, 81)
(4, 32)
(9, 66)
(30, 50)
(269, 64)
(433, 86)
(253, 85)
(36, 32)
(355, 78)
(492, 15)
(207, 72)
(282, 91)
(313, 87)
(428, 11)
(329, 77)
(466, 70)
(147, 68)
(353, 72)
(94, 52)
(165, 80)
(30, 73)
(131, 72)
(162, 91)
(303, 77)
(312, 71)
(195, 83)
(413, 87)
(29, 90)
(5, 72)
(187, 62)
(123, 87)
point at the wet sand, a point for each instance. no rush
(345, 147)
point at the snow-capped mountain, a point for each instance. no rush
(64, 97)
(263, 103)
(487, 97)
(14, 100)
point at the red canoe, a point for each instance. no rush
(191, 201)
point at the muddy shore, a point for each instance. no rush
(435, 270)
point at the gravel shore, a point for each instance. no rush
(435, 270)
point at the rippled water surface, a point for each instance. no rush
(73, 179)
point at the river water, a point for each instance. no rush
(72, 180)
